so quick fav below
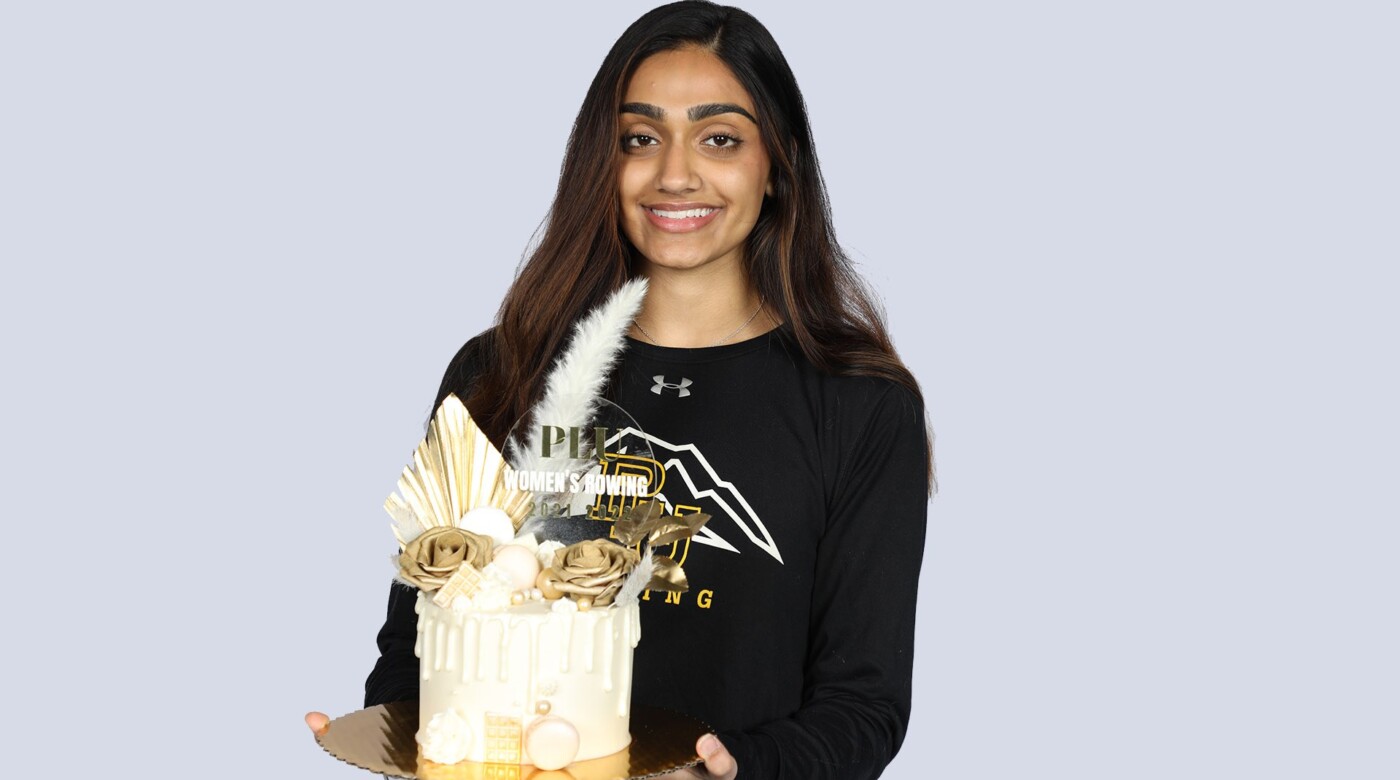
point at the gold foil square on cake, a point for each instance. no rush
(503, 734)
(466, 581)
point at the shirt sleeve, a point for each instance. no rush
(859, 666)
(395, 673)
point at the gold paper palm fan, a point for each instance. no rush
(455, 469)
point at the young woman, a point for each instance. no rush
(763, 375)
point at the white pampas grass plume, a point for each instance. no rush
(406, 526)
(636, 582)
(571, 392)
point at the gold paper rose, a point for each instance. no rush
(594, 568)
(430, 559)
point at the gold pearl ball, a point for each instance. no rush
(543, 707)
(546, 585)
(517, 598)
(585, 604)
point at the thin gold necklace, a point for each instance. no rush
(717, 343)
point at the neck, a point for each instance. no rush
(693, 308)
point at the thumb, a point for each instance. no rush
(318, 722)
(718, 761)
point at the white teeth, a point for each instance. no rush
(681, 214)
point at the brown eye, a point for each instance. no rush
(725, 141)
(636, 141)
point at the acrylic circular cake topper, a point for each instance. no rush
(583, 464)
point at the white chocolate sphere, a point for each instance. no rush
(552, 743)
(519, 564)
(489, 521)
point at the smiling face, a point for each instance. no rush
(693, 171)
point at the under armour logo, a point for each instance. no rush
(679, 387)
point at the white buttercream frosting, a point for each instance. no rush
(495, 590)
(447, 739)
(545, 552)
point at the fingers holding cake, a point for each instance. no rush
(318, 722)
(718, 761)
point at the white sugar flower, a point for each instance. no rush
(546, 552)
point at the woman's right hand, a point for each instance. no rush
(318, 722)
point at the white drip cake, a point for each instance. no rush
(539, 683)
(525, 646)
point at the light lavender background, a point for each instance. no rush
(1141, 256)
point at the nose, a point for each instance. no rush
(677, 173)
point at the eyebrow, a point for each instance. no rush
(695, 113)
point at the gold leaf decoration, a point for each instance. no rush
(674, 528)
(634, 525)
(455, 469)
(667, 575)
(645, 521)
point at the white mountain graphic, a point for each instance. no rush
(724, 494)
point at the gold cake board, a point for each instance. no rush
(380, 739)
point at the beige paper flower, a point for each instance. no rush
(594, 568)
(430, 559)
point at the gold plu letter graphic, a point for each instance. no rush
(610, 507)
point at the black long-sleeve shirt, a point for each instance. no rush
(796, 638)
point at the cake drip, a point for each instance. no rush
(519, 665)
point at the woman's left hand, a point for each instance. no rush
(719, 764)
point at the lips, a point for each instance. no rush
(680, 217)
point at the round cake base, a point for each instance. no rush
(380, 739)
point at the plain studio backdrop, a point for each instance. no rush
(1141, 257)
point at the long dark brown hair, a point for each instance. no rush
(791, 255)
